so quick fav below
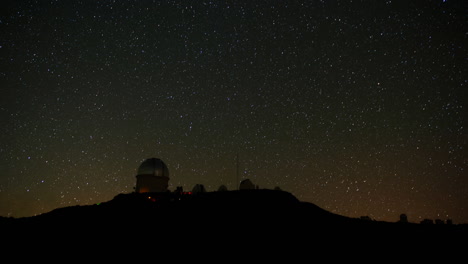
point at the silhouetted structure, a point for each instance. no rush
(222, 188)
(439, 222)
(449, 222)
(365, 217)
(403, 218)
(198, 188)
(153, 176)
(246, 185)
(427, 222)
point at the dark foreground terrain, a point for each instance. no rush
(235, 214)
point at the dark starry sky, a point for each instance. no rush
(356, 106)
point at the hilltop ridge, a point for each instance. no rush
(261, 211)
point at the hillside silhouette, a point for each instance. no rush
(260, 212)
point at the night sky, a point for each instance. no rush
(356, 106)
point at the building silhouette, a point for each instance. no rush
(403, 218)
(222, 188)
(246, 185)
(153, 176)
(198, 188)
(427, 222)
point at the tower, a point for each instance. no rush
(153, 176)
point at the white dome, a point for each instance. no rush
(155, 167)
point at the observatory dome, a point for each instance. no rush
(154, 167)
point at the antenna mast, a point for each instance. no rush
(237, 171)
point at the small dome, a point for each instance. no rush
(199, 188)
(155, 167)
(246, 185)
(222, 188)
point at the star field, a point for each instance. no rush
(357, 107)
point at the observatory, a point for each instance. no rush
(247, 185)
(153, 176)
